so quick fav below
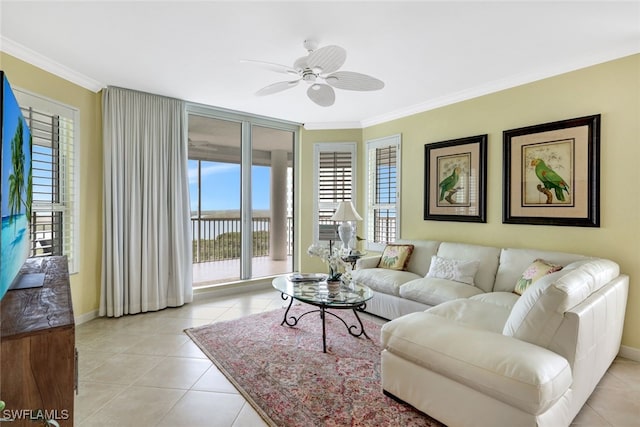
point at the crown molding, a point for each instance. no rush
(332, 125)
(25, 54)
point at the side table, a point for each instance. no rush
(353, 258)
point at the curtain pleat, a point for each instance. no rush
(146, 222)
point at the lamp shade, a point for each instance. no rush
(346, 212)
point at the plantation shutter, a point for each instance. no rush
(335, 178)
(54, 183)
(383, 191)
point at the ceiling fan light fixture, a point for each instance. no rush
(322, 63)
(309, 77)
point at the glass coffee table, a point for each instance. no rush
(312, 289)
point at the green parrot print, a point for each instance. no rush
(550, 179)
(449, 183)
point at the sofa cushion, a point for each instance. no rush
(453, 269)
(520, 374)
(537, 314)
(433, 291)
(382, 279)
(395, 257)
(474, 313)
(502, 299)
(514, 261)
(423, 250)
(487, 256)
(534, 272)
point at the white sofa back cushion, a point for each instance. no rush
(420, 259)
(513, 262)
(538, 313)
(487, 256)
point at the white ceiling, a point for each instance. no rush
(428, 53)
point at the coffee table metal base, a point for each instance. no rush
(352, 329)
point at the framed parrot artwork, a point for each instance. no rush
(455, 180)
(552, 175)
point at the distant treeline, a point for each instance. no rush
(228, 246)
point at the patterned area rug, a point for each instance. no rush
(284, 374)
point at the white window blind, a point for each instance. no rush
(335, 171)
(54, 132)
(383, 191)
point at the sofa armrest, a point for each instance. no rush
(368, 262)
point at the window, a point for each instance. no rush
(54, 130)
(335, 171)
(383, 191)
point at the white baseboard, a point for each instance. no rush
(629, 353)
(84, 318)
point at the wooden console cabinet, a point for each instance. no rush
(38, 357)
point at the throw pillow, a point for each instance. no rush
(538, 269)
(395, 257)
(453, 269)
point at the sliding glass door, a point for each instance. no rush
(241, 189)
(272, 201)
(215, 189)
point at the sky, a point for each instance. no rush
(221, 186)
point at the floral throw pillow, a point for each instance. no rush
(453, 269)
(395, 257)
(534, 272)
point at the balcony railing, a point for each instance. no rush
(216, 239)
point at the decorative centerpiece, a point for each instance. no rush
(339, 270)
(333, 286)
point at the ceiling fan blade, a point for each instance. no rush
(327, 59)
(278, 68)
(277, 87)
(353, 81)
(322, 95)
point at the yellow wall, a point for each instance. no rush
(611, 89)
(85, 286)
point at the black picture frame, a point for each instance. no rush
(463, 162)
(551, 173)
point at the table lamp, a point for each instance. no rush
(345, 213)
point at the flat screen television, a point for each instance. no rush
(15, 193)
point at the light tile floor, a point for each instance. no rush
(143, 371)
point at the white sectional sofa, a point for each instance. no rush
(480, 355)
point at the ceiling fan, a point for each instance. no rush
(319, 69)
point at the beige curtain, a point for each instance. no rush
(146, 222)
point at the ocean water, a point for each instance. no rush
(15, 249)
